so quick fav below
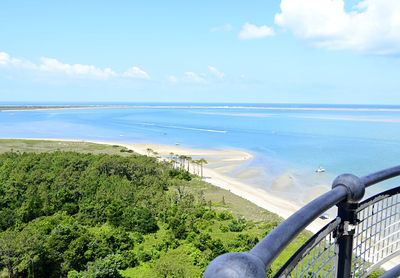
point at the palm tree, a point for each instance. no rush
(188, 159)
(196, 170)
(177, 159)
(172, 158)
(202, 161)
(182, 159)
(149, 151)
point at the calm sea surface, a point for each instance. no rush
(295, 138)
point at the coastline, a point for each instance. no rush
(11, 108)
(216, 176)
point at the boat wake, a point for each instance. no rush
(185, 128)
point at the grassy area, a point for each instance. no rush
(261, 220)
(265, 221)
(223, 199)
(7, 145)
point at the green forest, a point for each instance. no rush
(83, 211)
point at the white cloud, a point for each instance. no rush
(190, 76)
(7, 60)
(371, 25)
(222, 28)
(51, 65)
(250, 31)
(211, 76)
(55, 66)
(4, 58)
(212, 70)
(136, 72)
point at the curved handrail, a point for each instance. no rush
(380, 176)
(345, 187)
(272, 245)
(393, 273)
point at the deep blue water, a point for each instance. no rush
(359, 140)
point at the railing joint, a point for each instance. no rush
(348, 228)
(354, 186)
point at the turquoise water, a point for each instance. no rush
(359, 140)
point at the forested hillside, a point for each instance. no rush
(69, 214)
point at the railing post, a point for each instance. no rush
(348, 216)
(347, 213)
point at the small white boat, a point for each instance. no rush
(320, 170)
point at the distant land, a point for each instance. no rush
(264, 106)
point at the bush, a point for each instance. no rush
(223, 228)
(144, 256)
(180, 174)
(225, 215)
(244, 242)
(104, 268)
(170, 268)
(209, 214)
(237, 225)
(140, 220)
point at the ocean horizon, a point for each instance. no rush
(202, 104)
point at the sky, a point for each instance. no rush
(209, 51)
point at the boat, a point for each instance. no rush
(320, 170)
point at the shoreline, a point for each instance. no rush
(215, 176)
(11, 108)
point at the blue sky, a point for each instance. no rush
(287, 51)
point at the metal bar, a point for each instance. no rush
(380, 176)
(347, 212)
(374, 199)
(345, 243)
(272, 245)
(316, 240)
(393, 273)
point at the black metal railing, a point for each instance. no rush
(362, 237)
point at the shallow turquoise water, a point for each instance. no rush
(352, 140)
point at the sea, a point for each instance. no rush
(283, 138)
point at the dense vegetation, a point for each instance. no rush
(73, 214)
(84, 215)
